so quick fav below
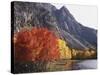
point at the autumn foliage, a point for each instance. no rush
(36, 44)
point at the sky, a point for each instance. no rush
(86, 15)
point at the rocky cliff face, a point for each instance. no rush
(60, 21)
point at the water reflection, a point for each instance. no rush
(85, 64)
(71, 65)
(60, 65)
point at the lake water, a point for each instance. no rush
(85, 64)
(64, 65)
(59, 65)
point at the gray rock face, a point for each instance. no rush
(60, 21)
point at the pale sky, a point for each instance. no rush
(86, 15)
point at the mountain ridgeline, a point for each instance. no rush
(61, 21)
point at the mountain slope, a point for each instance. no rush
(60, 21)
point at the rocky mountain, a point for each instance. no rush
(61, 21)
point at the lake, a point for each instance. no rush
(59, 65)
(64, 65)
(85, 64)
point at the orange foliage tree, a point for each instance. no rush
(36, 44)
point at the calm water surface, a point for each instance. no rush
(85, 64)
